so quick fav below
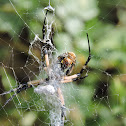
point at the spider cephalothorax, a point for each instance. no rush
(67, 61)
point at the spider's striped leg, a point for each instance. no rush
(73, 79)
(35, 82)
(45, 51)
(51, 35)
(8, 100)
(60, 95)
(44, 26)
(80, 78)
(84, 67)
(67, 79)
(44, 58)
(17, 90)
(8, 92)
(77, 76)
(20, 88)
(89, 58)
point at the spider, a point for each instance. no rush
(57, 71)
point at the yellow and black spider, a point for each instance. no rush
(65, 64)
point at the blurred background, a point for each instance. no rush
(100, 99)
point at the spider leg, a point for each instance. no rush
(63, 108)
(84, 67)
(8, 100)
(89, 57)
(46, 57)
(8, 92)
(17, 90)
(80, 78)
(13, 90)
(20, 88)
(44, 26)
(77, 76)
(70, 77)
(73, 78)
(51, 36)
(70, 69)
(35, 82)
(44, 40)
(60, 95)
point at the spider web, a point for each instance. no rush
(100, 98)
